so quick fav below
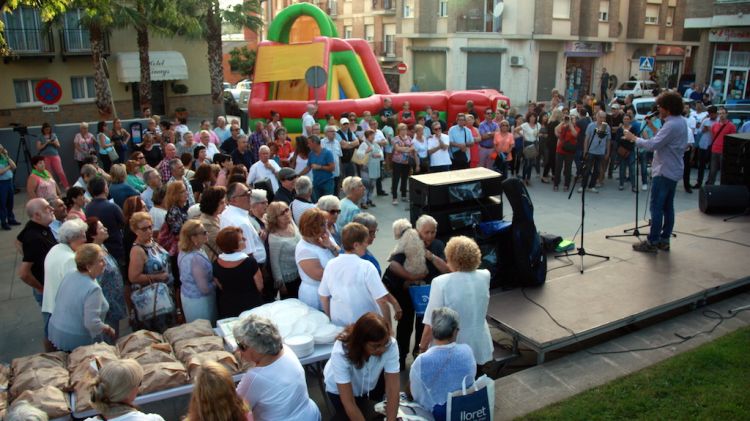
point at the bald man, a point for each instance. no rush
(170, 153)
(264, 168)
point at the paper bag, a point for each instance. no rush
(138, 341)
(82, 380)
(49, 359)
(222, 357)
(194, 329)
(38, 378)
(49, 399)
(476, 404)
(186, 348)
(83, 354)
(154, 353)
(162, 376)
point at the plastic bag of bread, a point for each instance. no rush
(38, 378)
(162, 376)
(195, 329)
(48, 359)
(103, 352)
(186, 348)
(222, 357)
(49, 399)
(137, 341)
(4, 377)
(154, 353)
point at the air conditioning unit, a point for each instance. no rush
(516, 61)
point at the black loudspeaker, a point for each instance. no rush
(452, 187)
(452, 219)
(723, 199)
(735, 162)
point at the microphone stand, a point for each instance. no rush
(634, 232)
(581, 251)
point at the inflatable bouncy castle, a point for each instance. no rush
(302, 36)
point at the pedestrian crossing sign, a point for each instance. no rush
(646, 64)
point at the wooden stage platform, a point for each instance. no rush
(630, 287)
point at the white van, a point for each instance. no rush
(639, 88)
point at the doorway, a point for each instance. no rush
(158, 106)
(545, 81)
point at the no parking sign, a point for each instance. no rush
(48, 91)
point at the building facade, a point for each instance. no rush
(179, 71)
(723, 60)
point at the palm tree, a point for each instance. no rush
(98, 19)
(161, 16)
(245, 15)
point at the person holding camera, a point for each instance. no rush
(596, 147)
(7, 166)
(669, 145)
(567, 137)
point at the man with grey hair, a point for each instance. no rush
(237, 214)
(242, 155)
(303, 200)
(371, 223)
(331, 142)
(170, 153)
(153, 182)
(88, 172)
(177, 168)
(308, 119)
(442, 368)
(275, 387)
(596, 147)
(60, 211)
(265, 168)
(59, 262)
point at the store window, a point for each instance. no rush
(731, 71)
(24, 90)
(82, 88)
(429, 70)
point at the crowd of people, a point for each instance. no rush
(209, 228)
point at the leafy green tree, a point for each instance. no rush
(242, 61)
(48, 9)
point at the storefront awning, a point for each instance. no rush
(165, 65)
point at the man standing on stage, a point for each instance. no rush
(669, 145)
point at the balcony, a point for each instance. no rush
(77, 43)
(386, 50)
(29, 43)
(383, 7)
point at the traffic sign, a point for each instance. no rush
(646, 64)
(48, 91)
(316, 76)
(402, 68)
(50, 108)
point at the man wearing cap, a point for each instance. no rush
(349, 143)
(285, 192)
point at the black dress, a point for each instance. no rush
(238, 291)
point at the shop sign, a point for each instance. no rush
(583, 49)
(728, 35)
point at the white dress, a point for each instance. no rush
(308, 290)
(468, 293)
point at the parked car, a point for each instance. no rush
(643, 106)
(244, 85)
(638, 88)
(231, 107)
(226, 85)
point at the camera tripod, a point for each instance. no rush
(581, 251)
(23, 148)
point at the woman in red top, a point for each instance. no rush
(282, 147)
(406, 115)
(504, 143)
(566, 133)
(474, 148)
(719, 129)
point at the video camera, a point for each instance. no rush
(20, 129)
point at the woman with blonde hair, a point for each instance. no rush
(120, 190)
(467, 291)
(355, 190)
(214, 397)
(283, 237)
(198, 290)
(312, 254)
(115, 391)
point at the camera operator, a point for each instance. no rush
(669, 145)
(598, 135)
(7, 166)
(567, 133)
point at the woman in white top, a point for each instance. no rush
(361, 353)
(116, 389)
(530, 132)
(312, 254)
(275, 388)
(420, 145)
(371, 171)
(283, 237)
(467, 291)
(351, 286)
(437, 149)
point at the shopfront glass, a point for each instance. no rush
(731, 70)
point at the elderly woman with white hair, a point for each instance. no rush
(442, 369)
(115, 391)
(83, 144)
(275, 388)
(80, 306)
(371, 223)
(332, 207)
(22, 410)
(60, 261)
(303, 190)
(467, 291)
(264, 168)
(355, 191)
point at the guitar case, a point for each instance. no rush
(530, 267)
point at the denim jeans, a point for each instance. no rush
(528, 164)
(593, 165)
(6, 202)
(322, 189)
(662, 209)
(629, 165)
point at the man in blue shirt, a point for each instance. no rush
(669, 145)
(320, 161)
(460, 139)
(487, 133)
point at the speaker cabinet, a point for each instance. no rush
(452, 187)
(723, 199)
(452, 219)
(735, 162)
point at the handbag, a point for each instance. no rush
(420, 296)
(531, 151)
(478, 404)
(152, 301)
(112, 154)
(361, 156)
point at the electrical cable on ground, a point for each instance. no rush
(712, 238)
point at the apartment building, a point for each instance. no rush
(179, 71)
(723, 60)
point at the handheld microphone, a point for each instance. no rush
(651, 115)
